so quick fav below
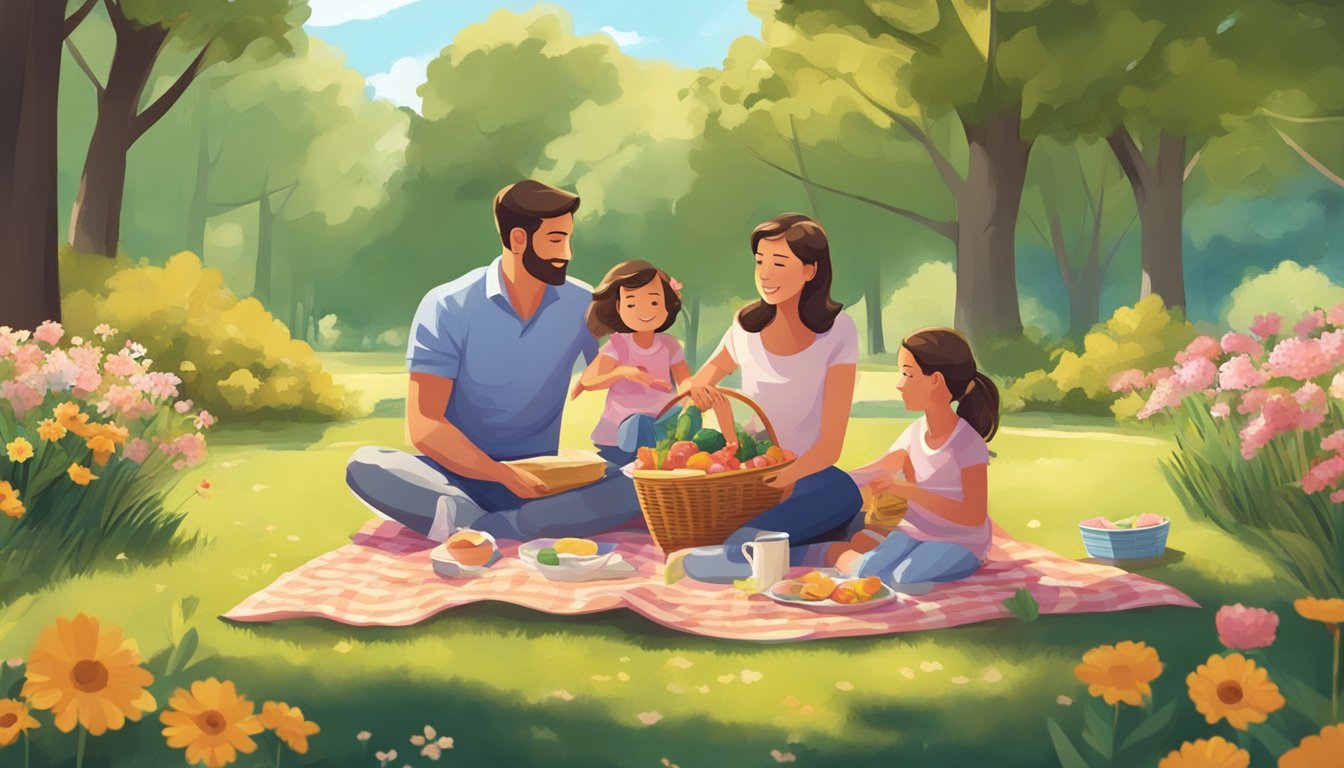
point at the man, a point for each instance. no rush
(490, 357)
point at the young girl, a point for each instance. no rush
(640, 364)
(942, 461)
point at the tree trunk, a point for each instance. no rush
(95, 222)
(1158, 193)
(199, 212)
(1085, 302)
(261, 287)
(31, 32)
(690, 311)
(987, 210)
(872, 304)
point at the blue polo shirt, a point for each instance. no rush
(511, 376)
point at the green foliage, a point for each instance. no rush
(1289, 289)
(1144, 336)
(1260, 500)
(1023, 605)
(233, 356)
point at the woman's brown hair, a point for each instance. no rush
(943, 350)
(808, 242)
(604, 314)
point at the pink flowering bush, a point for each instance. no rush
(1260, 430)
(91, 436)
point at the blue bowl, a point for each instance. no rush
(1126, 543)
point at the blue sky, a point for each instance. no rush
(392, 41)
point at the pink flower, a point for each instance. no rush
(1203, 346)
(204, 420)
(137, 450)
(1311, 398)
(49, 333)
(1309, 322)
(1220, 410)
(126, 401)
(1300, 359)
(7, 345)
(1164, 396)
(1335, 315)
(1266, 325)
(159, 385)
(1280, 414)
(1158, 375)
(182, 406)
(27, 359)
(676, 285)
(104, 331)
(1195, 374)
(1324, 475)
(59, 371)
(1245, 629)
(87, 382)
(1239, 343)
(1255, 399)
(191, 448)
(122, 364)
(1337, 497)
(1333, 443)
(22, 397)
(1240, 373)
(1128, 381)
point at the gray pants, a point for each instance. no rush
(406, 487)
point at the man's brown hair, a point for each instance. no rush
(525, 203)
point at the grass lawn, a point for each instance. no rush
(516, 688)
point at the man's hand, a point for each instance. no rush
(522, 483)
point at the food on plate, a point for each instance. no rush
(468, 547)
(817, 586)
(1145, 520)
(548, 556)
(572, 546)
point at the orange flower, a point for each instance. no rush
(1233, 687)
(80, 475)
(88, 675)
(212, 723)
(1120, 672)
(50, 431)
(1216, 752)
(203, 489)
(288, 724)
(9, 500)
(68, 416)
(19, 450)
(1317, 751)
(1329, 611)
(14, 721)
(102, 448)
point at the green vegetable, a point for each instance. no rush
(1128, 522)
(548, 556)
(762, 446)
(709, 440)
(746, 446)
(688, 424)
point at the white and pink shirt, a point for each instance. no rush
(626, 398)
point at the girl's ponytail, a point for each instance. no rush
(979, 406)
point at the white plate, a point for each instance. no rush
(528, 552)
(606, 564)
(883, 596)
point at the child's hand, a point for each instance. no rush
(578, 388)
(642, 377)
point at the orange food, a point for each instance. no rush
(700, 460)
(816, 586)
(846, 594)
(868, 587)
(775, 454)
(646, 458)
(470, 547)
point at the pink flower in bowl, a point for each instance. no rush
(1245, 628)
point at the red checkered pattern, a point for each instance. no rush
(384, 578)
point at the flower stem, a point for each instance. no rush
(27, 749)
(1334, 679)
(79, 747)
(278, 745)
(1115, 724)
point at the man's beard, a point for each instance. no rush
(542, 269)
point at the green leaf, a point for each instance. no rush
(1151, 726)
(1304, 699)
(183, 652)
(1023, 605)
(189, 605)
(1097, 731)
(15, 612)
(1069, 756)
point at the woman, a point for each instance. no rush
(798, 354)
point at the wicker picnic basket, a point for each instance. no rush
(698, 511)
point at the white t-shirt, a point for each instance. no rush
(939, 470)
(789, 388)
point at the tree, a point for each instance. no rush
(145, 32)
(31, 32)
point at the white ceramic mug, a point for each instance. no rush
(768, 555)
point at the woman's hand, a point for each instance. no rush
(784, 479)
(893, 486)
(706, 397)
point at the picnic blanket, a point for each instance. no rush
(384, 578)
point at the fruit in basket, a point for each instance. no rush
(715, 468)
(573, 546)
(688, 424)
(775, 454)
(746, 446)
(646, 458)
(700, 460)
(679, 453)
(727, 458)
(469, 547)
(709, 440)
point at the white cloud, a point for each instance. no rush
(330, 13)
(398, 84)
(627, 39)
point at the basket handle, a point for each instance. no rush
(765, 420)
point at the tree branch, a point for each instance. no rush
(1312, 161)
(1095, 251)
(1130, 157)
(1110, 257)
(945, 228)
(119, 21)
(257, 199)
(950, 176)
(802, 169)
(281, 208)
(84, 65)
(1044, 239)
(145, 120)
(1061, 252)
(78, 17)
(1190, 166)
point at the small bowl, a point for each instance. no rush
(445, 565)
(1126, 543)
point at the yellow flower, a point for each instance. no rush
(19, 450)
(9, 500)
(212, 722)
(102, 447)
(68, 416)
(288, 724)
(14, 720)
(1329, 611)
(1120, 672)
(81, 475)
(89, 675)
(1317, 751)
(50, 431)
(1233, 687)
(1216, 752)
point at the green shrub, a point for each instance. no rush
(1289, 290)
(233, 356)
